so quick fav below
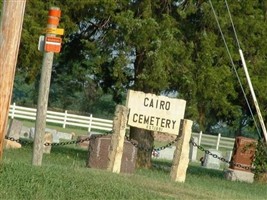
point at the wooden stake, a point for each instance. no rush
(10, 34)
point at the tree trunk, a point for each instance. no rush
(145, 141)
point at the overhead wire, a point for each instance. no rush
(261, 121)
(230, 16)
(233, 65)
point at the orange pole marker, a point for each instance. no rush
(53, 20)
(54, 12)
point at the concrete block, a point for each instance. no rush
(237, 175)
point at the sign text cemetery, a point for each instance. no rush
(155, 113)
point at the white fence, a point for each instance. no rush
(63, 118)
(90, 122)
(214, 141)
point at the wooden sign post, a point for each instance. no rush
(163, 114)
(117, 139)
(50, 48)
(181, 153)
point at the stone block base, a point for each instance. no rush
(237, 175)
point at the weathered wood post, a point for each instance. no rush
(117, 139)
(181, 153)
(44, 86)
(10, 33)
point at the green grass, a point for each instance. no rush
(63, 175)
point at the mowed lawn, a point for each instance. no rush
(64, 175)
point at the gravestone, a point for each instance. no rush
(56, 136)
(167, 153)
(193, 150)
(98, 154)
(65, 136)
(210, 161)
(14, 129)
(242, 159)
(25, 132)
(228, 158)
(243, 153)
(84, 144)
(32, 133)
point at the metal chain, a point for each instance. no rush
(220, 158)
(142, 148)
(18, 140)
(60, 143)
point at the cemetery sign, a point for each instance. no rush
(155, 113)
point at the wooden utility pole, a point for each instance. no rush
(10, 34)
(53, 21)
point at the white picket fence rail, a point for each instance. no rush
(214, 141)
(62, 118)
(90, 122)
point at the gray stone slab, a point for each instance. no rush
(25, 132)
(210, 161)
(167, 153)
(193, 150)
(56, 136)
(65, 136)
(14, 129)
(227, 157)
(237, 175)
(32, 133)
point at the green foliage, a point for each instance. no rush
(260, 161)
(22, 92)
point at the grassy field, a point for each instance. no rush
(63, 175)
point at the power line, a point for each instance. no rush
(248, 79)
(238, 44)
(233, 66)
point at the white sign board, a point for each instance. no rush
(155, 113)
(41, 43)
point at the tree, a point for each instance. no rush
(155, 46)
(214, 92)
